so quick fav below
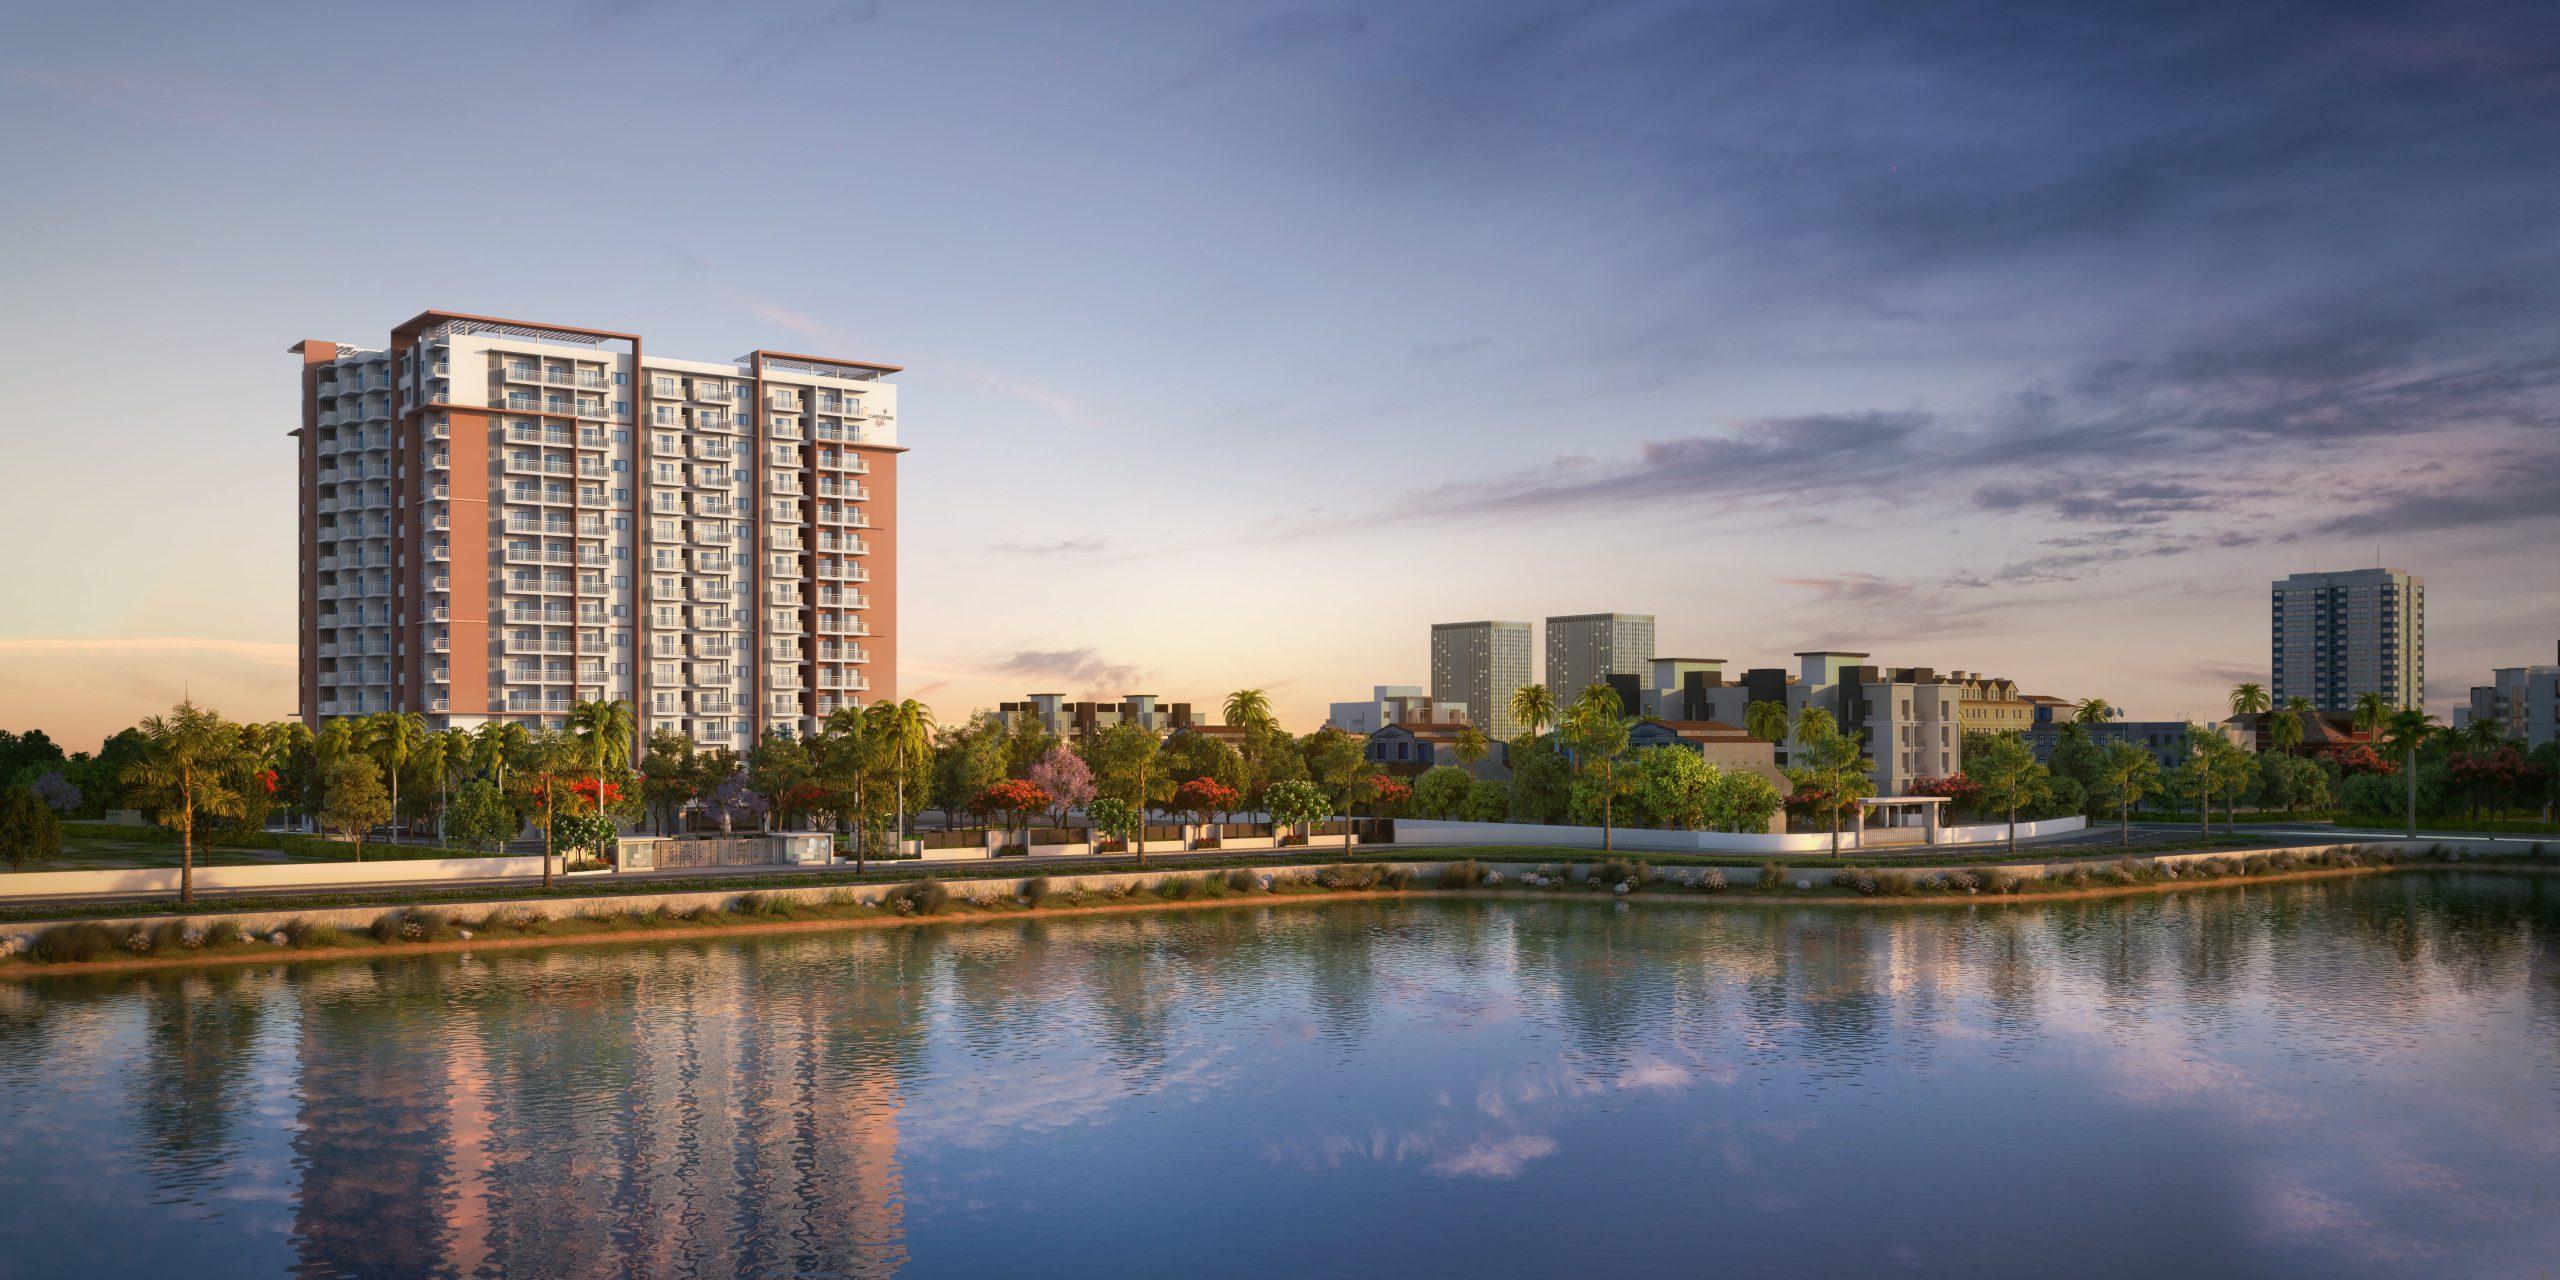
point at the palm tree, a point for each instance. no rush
(395, 736)
(1766, 720)
(2372, 712)
(2284, 732)
(1533, 707)
(189, 766)
(447, 751)
(1471, 747)
(2249, 699)
(2092, 711)
(498, 746)
(2126, 774)
(2405, 729)
(604, 730)
(1249, 710)
(907, 729)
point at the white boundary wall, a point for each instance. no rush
(271, 875)
(1411, 832)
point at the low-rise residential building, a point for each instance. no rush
(1724, 746)
(1074, 721)
(1992, 704)
(2525, 701)
(1909, 719)
(2166, 740)
(1393, 704)
(1402, 750)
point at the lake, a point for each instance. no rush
(2331, 1078)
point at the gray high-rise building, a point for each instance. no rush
(1585, 649)
(2337, 636)
(1480, 664)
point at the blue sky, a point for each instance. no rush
(1244, 342)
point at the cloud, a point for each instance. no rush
(1057, 547)
(1082, 668)
(1768, 458)
(1499, 1158)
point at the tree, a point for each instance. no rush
(1741, 800)
(1534, 708)
(1487, 801)
(1124, 766)
(1471, 747)
(2405, 730)
(2089, 711)
(2372, 711)
(1113, 816)
(1297, 802)
(1198, 755)
(191, 765)
(56, 791)
(481, 818)
(668, 778)
(499, 747)
(846, 758)
(1831, 773)
(28, 829)
(2126, 775)
(604, 730)
(2009, 777)
(1201, 797)
(1673, 786)
(1250, 710)
(907, 730)
(393, 737)
(1541, 781)
(973, 757)
(1595, 726)
(2215, 765)
(550, 761)
(776, 767)
(1067, 779)
(1766, 720)
(2284, 732)
(2250, 699)
(1441, 792)
(1017, 799)
(1339, 762)
(352, 801)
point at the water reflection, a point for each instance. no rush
(2309, 1079)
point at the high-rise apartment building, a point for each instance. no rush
(1481, 664)
(500, 519)
(2337, 636)
(1585, 649)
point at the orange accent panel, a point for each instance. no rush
(882, 508)
(467, 659)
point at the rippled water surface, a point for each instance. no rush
(2341, 1078)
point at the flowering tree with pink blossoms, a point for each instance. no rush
(1066, 777)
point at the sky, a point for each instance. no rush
(1243, 343)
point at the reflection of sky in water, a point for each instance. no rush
(2345, 1078)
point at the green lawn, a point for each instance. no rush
(99, 847)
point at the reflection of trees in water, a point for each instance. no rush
(1607, 968)
(195, 1083)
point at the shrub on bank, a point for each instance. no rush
(72, 943)
(1466, 874)
(922, 898)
